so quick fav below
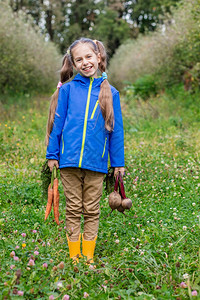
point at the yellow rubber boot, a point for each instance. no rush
(74, 249)
(88, 249)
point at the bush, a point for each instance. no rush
(144, 87)
(27, 62)
(167, 53)
(195, 79)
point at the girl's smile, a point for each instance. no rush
(85, 60)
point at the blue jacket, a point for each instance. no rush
(79, 138)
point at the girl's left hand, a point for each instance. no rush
(119, 169)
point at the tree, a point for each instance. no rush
(46, 14)
(147, 14)
(112, 21)
(111, 30)
(80, 17)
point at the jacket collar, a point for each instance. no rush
(86, 80)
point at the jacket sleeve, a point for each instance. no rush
(53, 148)
(116, 140)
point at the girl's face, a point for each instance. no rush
(85, 60)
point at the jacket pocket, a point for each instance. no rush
(104, 148)
(95, 107)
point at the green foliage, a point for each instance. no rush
(111, 29)
(148, 14)
(165, 54)
(145, 255)
(64, 21)
(45, 179)
(28, 63)
(110, 181)
(144, 87)
(195, 77)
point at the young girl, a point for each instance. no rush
(84, 125)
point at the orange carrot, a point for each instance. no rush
(49, 201)
(56, 200)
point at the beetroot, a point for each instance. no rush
(117, 200)
(121, 209)
(114, 200)
(126, 202)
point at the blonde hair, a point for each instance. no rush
(105, 95)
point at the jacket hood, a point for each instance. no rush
(86, 80)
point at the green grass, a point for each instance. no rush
(144, 255)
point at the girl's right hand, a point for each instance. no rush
(52, 163)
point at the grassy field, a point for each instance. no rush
(152, 253)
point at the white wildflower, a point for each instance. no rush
(185, 276)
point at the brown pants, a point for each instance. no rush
(83, 190)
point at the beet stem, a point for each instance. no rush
(122, 190)
(116, 183)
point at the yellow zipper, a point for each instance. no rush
(62, 144)
(85, 121)
(104, 148)
(95, 107)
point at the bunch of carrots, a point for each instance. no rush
(53, 197)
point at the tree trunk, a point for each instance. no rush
(49, 23)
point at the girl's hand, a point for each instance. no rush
(119, 169)
(52, 163)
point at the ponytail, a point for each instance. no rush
(66, 73)
(105, 95)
